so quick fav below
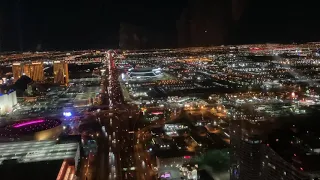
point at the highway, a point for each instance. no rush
(119, 156)
(142, 158)
(115, 149)
(109, 145)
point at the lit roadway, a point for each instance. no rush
(109, 166)
(115, 151)
(109, 145)
(143, 163)
(114, 148)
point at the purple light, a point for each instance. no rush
(67, 114)
(166, 175)
(28, 123)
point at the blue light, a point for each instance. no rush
(67, 114)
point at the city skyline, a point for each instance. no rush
(159, 90)
(228, 112)
(233, 22)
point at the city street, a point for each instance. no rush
(143, 162)
(109, 144)
(113, 146)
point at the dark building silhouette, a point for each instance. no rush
(20, 85)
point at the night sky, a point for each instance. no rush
(79, 24)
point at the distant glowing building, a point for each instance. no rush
(7, 101)
(34, 71)
(144, 73)
(17, 71)
(60, 72)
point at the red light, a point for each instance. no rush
(187, 157)
(157, 113)
(301, 169)
(294, 154)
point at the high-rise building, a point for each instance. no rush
(267, 150)
(17, 71)
(7, 101)
(292, 154)
(34, 71)
(247, 152)
(275, 167)
(60, 72)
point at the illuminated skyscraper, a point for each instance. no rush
(34, 71)
(17, 70)
(7, 101)
(60, 72)
(247, 147)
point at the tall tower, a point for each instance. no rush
(34, 71)
(17, 71)
(246, 157)
(247, 148)
(60, 72)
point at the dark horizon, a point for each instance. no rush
(72, 25)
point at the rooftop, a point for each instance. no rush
(35, 170)
(34, 151)
(148, 69)
(85, 80)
